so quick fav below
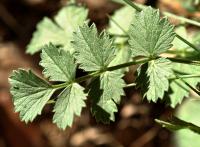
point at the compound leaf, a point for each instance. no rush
(70, 102)
(58, 64)
(149, 34)
(93, 51)
(153, 78)
(30, 94)
(105, 93)
(59, 32)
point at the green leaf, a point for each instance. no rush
(177, 124)
(92, 51)
(149, 34)
(30, 94)
(70, 102)
(105, 92)
(179, 89)
(126, 14)
(153, 78)
(58, 64)
(59, 32)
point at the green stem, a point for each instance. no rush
(188, 43)
(133, 5)
(186, 83)
(129, 2)
(135, 62)
(183, 19)
(184, 61)
(116, 67)
(179, 52)
(98, 73)
(186, 76)
(119, 35)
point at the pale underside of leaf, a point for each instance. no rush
(158, 73)
(70, 102)
(30, 94)
(150, 35)
(58, 64)
(153, 78)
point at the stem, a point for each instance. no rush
(129, 2)
(133, 5)
(186, 83)
(119, 35)
(116, 67)
(98, 73)
(179, 52)
(184, 61)
(183, 19)
(186, 76)
(139, 61)
(78, 80)
(188, 43)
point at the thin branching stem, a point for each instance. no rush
(182, 19)
(188, 43)
(186, 76)
(133, 5)
(190, 86)
(116, 67)
(119, 35)
(184, 61)
(98, 73)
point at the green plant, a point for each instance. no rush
(72, 44)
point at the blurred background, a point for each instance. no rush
(134, 125)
